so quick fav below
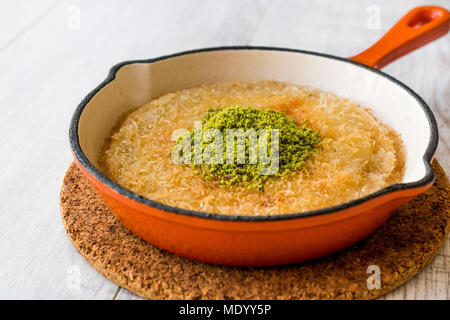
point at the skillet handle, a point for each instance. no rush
(417, 28)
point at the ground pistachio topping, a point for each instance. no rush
(246, 146)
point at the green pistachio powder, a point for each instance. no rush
(296, 144)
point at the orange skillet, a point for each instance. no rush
(267, 240)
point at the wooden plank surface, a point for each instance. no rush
(17, 16)
(53, 53)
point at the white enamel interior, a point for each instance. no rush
(136, 84)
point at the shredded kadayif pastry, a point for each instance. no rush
(356, 155)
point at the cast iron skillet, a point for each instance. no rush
(267, 240)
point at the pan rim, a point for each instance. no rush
(84, 161)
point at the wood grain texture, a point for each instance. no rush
(17, 16)
(53, 53)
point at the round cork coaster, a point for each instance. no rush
(401, 248)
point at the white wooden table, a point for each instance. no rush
(52, 53)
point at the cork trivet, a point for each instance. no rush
(402, 247)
